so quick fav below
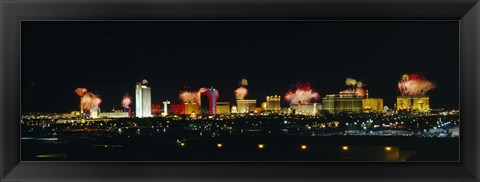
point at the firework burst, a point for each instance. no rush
(240, 93)
(357, 87)
(189, 97)
(193, 97)
(88, 100)
(414, 85)
(126, 101)
(303, 94)
(80, 91)
(244, 82)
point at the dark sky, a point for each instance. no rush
(108, 58)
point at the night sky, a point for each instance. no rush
(109, 58)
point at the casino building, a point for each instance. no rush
(191, 107)
(372, 105)
(306, 109)
(413, 103)
(223, 107)
(273, 103)
(143, 100)
(246, 106)
(113, 115)
(208, 102)
(342, 102)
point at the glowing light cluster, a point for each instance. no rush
(88, 100)
(240, 93)
(303, 94)
(414, 85)
(194, 97)
(357, 87)
(126, 101)
(189, 97)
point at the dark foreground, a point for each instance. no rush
(275, 148)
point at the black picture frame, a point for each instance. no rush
(467, 12)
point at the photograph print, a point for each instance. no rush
(323, 91)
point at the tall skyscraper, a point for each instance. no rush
(208, 102)
(143, 100)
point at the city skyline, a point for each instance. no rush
(274, 57)
(240, 91)
(285, 102)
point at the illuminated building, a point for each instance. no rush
(306, 109)
(234, 109)
(223, 107)
(372, 104)
(75, 113)
(264, 105)
(192, 108)
(413, 103)
(143, 100)
(273, 103)
(246, 106)
(342, 102)
(155, 109)
(114, 115)
(208, 102)
(178, 109)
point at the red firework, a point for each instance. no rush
(303, 94)
(414, 85)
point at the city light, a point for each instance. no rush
(261, 146)
(303, 147)
(388, 148)
(345, 148)
(219, 145)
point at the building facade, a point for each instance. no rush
(143, 100)
(223, 107)
(273, 103)
(246, 106)
(208, 102)
(306, 109)
(178, 109)
(343, 102)
(114, 115)
(374, 105)
(413, 103)
(191, 108)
